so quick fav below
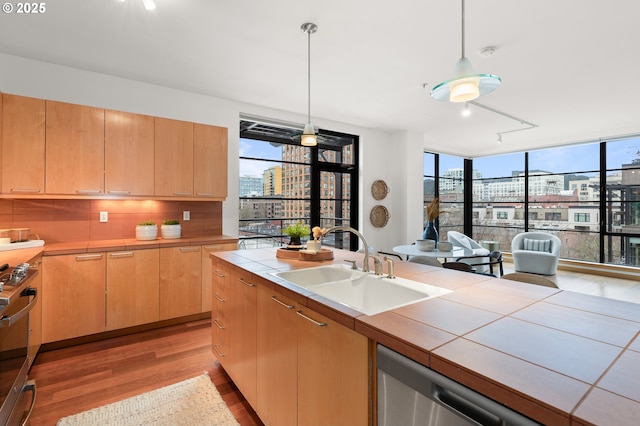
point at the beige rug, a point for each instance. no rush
(192, 402)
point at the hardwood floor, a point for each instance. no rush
(82, 377)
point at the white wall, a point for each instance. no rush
(395, 158)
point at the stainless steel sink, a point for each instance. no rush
(362, 291)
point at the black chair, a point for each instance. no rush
(459, 266)
(495, 258)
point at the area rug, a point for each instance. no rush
(194, 401)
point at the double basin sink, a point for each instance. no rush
(363, 291)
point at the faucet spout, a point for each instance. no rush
(365, 263)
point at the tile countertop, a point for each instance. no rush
(556, 356)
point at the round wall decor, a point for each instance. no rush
(379, 216)
(379, 189)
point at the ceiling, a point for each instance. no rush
(568, 67)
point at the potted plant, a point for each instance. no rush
(295, 233)
(147, 230)
(170, 229)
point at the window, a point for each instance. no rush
(282, 182)
(581, 217)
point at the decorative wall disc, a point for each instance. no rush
(379, 189)
(379, 216)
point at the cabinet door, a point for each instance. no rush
(210, 161)
(173, 158)
(220, 311)
(73, 302)
(35, 315)
(75, 149)
(333, 378)
(207, 274)
(132, 288)
(241, 362)
(129, 153)
(22, 145)
(180, 281)
(277, 359)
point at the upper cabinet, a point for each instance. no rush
(74, 149)
(210, 161)
(174, 158)
(23, 145)
(128, 153)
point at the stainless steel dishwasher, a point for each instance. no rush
(410, 394)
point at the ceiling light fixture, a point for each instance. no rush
(309, 137)
(465, 85)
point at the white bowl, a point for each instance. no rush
(426, 245)
(445, 246)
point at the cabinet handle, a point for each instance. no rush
(319, 324)
(116, 192)
(25, 190)
(36, 265)
(218, 298)
(248, 284)
(219, 274)
(275, 299)
(88, 191)
(212, 248)
(220, 326)
(215, 348)
(121, 254)
(182, 194)
(189, 249)
(88, 257)
(199, 194)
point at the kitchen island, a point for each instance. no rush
(557, 357)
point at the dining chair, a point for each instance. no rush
(495, 258)
(459, 266)
(425, 260)
(530, 279)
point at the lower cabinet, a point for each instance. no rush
(73, 302)
(207, 281)
(293, 365)
(180, 282)
(35, 315)
(132, 288)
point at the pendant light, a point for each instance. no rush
(466, 85)
(309, 137)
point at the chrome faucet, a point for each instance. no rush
(365, 263)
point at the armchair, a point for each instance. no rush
(536, 252)
(480, 259)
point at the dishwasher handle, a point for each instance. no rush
(464, 407)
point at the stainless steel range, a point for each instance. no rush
(16, 300)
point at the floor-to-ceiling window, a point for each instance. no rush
(282, 182)
(556, 190)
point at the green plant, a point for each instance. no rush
(147, 223)
(171, 222)
(298, 229)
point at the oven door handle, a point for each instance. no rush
(10, 320)
(30, 386)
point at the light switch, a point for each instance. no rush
(186, 215)
(104, 216)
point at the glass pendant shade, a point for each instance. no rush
(466, 85)
(309, 137)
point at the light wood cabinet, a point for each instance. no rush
(180, 281)
(35, 315)
(277, 358)
(240, 362)
(333, 376)
(23, 145)
(173, 158)
(129, 154)
(207, 272)
(73, 301)
(74, 149)
(132, 288)
(219, 310)
(210, 161)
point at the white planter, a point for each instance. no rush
(170, 232)
(146, 232)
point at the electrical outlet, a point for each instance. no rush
(104, 216)
(186, 215)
